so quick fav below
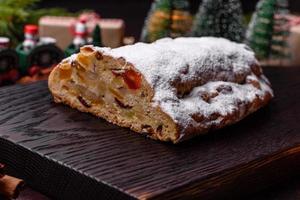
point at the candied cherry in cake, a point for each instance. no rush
(132, 79)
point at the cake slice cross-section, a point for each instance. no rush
(170, 90)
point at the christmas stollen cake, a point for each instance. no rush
(171, 90)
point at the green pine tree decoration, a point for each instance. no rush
(219, 18)
(158, 21)
(181, 19)
(97, 41)
(167, 18)
(268, 31)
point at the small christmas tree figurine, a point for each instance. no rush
(181, 18)
(97, 36)
(219, 18)
(158, 22)
(167, 18)
(280, 47)
(268, 30)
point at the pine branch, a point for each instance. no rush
(14, 14)
(18, 3)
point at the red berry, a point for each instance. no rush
(13, 75)
(33, 70)
(132, 79)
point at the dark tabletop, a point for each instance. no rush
(284, 191)
(284, 78)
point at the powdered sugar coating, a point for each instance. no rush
(205, 63)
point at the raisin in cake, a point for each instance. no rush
(171, 90)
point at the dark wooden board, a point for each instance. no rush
(285, 191)
(71, 155)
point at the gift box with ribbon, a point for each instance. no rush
(60, 28)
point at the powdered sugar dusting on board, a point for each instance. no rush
(205, 64)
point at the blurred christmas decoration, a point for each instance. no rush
(158, 21)
(294, 40)
(37, 55)
(80, 37)
(97, 41)
(294, 20)
(167, 18)
(37, 52)
(219, 18)
(111, 30)
(14, 14)
(181, 19)
(9, 63)
(269, 30)
(31, 37)
(58, 27)
(128, 40)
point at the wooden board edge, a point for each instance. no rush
(235, 183)
(52, 178)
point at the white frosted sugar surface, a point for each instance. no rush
(207, 61)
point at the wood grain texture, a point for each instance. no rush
(286, 191)
(71, 155)
(30, 194)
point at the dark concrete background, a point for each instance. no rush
(134, 11)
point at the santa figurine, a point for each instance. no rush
(80, 33)
(31, 37)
